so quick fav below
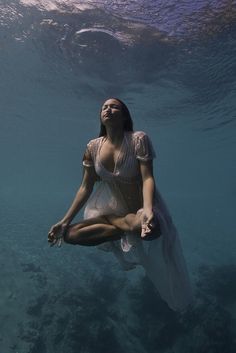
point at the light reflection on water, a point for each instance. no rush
(175, 18)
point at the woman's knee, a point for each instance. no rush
(133, 222)
(71, 235)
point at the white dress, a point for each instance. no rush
(161, 257)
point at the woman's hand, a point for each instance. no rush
(58, 230)
(146, 222)
(56, 233)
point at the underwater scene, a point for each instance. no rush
(173, 63)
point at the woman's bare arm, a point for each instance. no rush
(148, 184)
(146, 170)
(85, 190)
(82, 194)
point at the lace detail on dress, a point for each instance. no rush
(143, 146)
(90, 153)
(87, 159)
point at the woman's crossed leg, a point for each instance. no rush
(97, 230)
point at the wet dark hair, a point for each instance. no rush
(128, 125)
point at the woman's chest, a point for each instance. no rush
(109, 156)
(118, 161)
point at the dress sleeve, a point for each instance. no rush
(87, 158)
(143, 147)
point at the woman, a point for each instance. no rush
(126, 212)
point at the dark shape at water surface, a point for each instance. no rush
(177, 19)
(98, 52)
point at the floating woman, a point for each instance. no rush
(126, 213)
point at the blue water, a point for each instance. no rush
(173, 63)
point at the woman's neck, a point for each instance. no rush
(115, 136)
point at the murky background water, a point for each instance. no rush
(173, 63)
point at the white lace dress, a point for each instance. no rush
(115, 191)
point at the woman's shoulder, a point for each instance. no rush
(137, 135)
(94, 142)
(143, 146)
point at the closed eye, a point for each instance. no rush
(111, 106)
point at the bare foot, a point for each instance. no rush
(146, 229)
(150, 231)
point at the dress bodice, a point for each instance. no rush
(135, 146)
(125, 182)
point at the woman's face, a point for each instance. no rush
(111, 113)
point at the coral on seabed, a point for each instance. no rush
(95, 318)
